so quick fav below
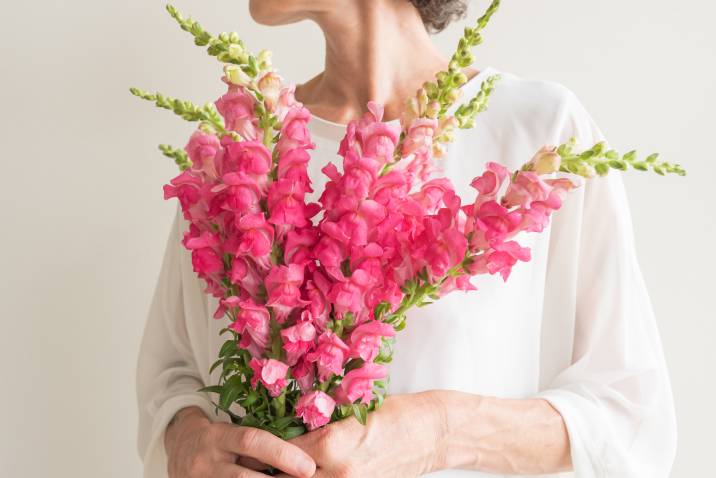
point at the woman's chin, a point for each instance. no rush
(276, 12)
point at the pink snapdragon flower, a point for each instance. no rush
(304, 372)
(252, 322)
(251, 158)
(370, 137)
(187, 188)
(286, 203)
(490, 223)
(358, 383)
(294, 130)
(237, 108)
(527, 187)
(329, 355)
(202, 149)
(367, 338)
(499, 259)
(256, 239)
(489, 183)
(271, 373)
(419, 138)
(283, 286)
(297, 340)
(315, 408)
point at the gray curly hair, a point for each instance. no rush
(438, 14)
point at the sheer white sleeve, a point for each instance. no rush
(168, 376)
(614, 392)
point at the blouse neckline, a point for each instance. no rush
(335, 131)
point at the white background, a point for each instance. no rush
(84, 224)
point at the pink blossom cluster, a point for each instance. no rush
(326, 282)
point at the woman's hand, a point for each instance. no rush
(400, 440)
(414, 434)
(199, 448)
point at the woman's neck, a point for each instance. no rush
(376, 50)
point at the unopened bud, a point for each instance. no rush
(459, 79)
(264, 57)
(454, 95)
(546, 161)
(235, 75)
(235, 51)
(270, 87)
(433, 109)
(586, 170)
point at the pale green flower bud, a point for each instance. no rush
(586, 170)
(433, 109)
(235, 51)
(454, 95)
(459, 79)
(235, 75)
(546, 161)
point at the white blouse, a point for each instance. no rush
(574, 325)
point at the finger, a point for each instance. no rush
(270, 449)
(235, 471)
(319, 474)
(251, 463)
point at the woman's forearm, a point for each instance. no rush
(495, 435)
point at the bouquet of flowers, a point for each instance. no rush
(314, 293)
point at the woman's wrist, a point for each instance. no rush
(497, 435)
(186, 417)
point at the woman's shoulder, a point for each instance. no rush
(544, 108)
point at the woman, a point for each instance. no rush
(560, 369)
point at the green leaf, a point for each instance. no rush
(228, 396)
(293, 432)
(652, 158)
(212, 389)
(602, 169)
(360, 411)
(630, 156)
(618, 164)
(229, 348)
(250, 399)
(284, 422)
(250, 421)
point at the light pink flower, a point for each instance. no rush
(270, 87)
(367, 338)
(330, 355)
(500, 259)
(419, 137)
(315, 408)
(271, 373)
(252, 322)
(489, 183)
(297, 340)
(526, 188)
(490, 223)
(358, 383)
